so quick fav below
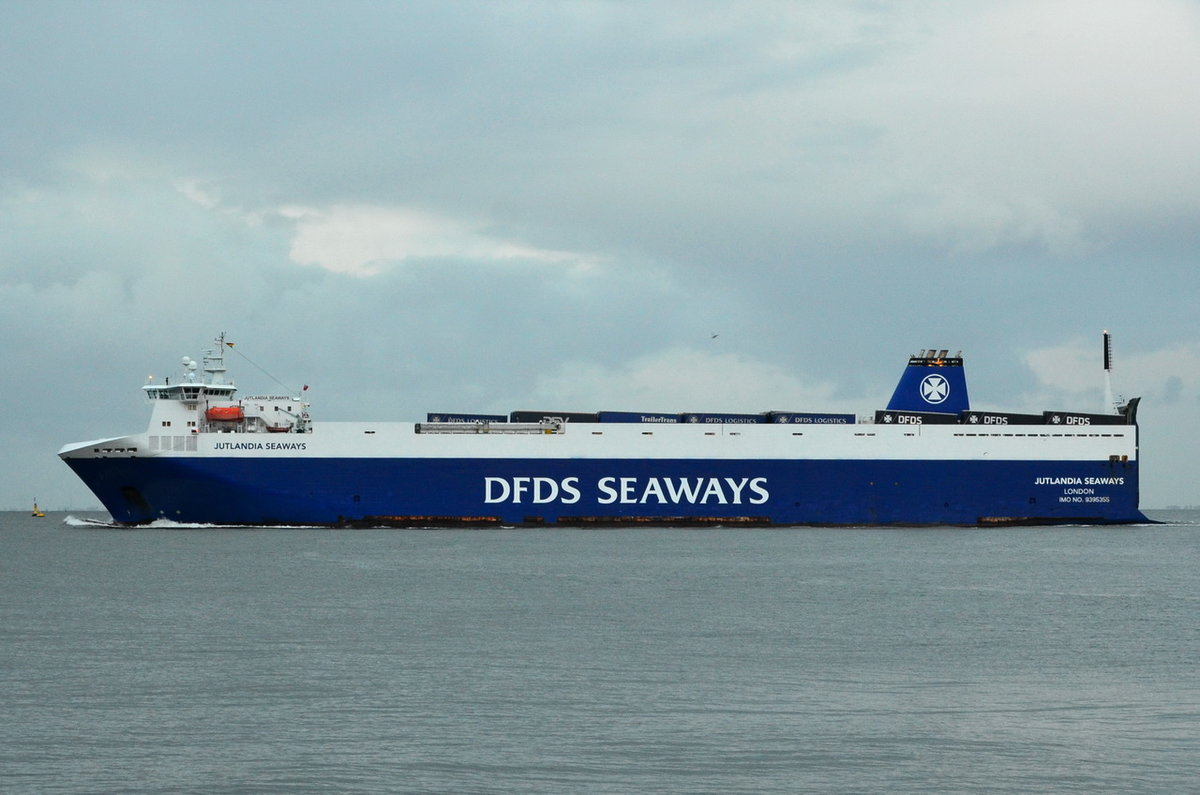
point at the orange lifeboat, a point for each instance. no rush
(225, 414)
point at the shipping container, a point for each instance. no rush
(565, 416)
(809, 418)
(1076, 418)
(999, 418)
(717, 419)
(451, 417)
(637, 416)
(914, 418)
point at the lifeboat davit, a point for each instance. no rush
(225, 414)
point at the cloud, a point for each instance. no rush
(363, 240)
(1073, 371)
(964, 223)
(1024, 124)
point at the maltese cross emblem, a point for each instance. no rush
(935, 388)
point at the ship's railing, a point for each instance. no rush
(549, 425)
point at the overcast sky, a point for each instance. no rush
(435, 206)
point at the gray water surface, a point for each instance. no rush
(620, 661)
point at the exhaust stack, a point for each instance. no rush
(1110, 405)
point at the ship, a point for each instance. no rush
(210, 456)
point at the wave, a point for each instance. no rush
(168, 524)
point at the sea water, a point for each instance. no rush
(211, 660)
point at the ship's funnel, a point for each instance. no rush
(932, 382)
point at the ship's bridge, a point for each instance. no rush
(189, 392)
(190, 389)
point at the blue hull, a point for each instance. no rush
(588, 492)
